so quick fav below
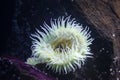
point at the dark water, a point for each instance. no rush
(19, 18)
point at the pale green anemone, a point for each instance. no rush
(63, 47)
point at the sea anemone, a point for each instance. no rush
(63, 46)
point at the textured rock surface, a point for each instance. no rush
(104, 15)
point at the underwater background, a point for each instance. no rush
(19, 18)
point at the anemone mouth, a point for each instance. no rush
(61, 44)
(63, 47)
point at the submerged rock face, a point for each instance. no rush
(104, 15)
(13, 69)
